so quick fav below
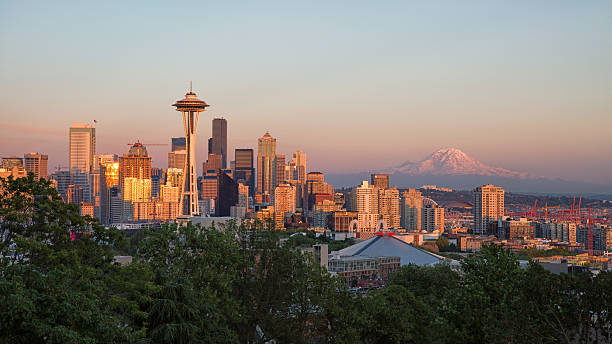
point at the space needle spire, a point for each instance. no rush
(190, 107)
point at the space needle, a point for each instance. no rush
(191, 107)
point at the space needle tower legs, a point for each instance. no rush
(190, 107)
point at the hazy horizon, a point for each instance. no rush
(524, 86)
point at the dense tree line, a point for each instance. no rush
(233, 285)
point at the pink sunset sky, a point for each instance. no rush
(356, 86)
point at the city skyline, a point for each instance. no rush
(440, 83)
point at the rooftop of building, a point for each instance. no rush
(387, 245)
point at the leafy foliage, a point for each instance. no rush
(59, 284)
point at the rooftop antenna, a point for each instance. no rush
(190, 86)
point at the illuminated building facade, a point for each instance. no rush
(219, 140)
(381, 181)
(82, 147)
(432, 217)
(243, 169)
(488, 207)
(411, 205)
(284, 199)
(37, 164)
(389, 207)
(266, 164)
(11, 162)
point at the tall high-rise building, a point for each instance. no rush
(134, 179)
(284, 199)
(36, 163)
(488, 207)
(209, 185)
(176, 159)
(174, 176)
(74, 194)
(105, 159)
(213, 163)
(389, 207)
(219, 139)
(365, 198)
(365, 203)
(411, 205)
(432, 218)
(82, 147)
(179, 144)
(243, 196)
(136, 190)
(266, 167)
(381, 181)
(279, 173)
(135, 164)
(298, 164)
(190, 107)
(316, 185)
(157, 175)
(63, 180)
(243, 158)
(109, 179)
(244, 169)
(227, 193)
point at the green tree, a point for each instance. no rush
(56, 267)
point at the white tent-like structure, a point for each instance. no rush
(386, 245)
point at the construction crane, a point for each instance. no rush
(546, 207)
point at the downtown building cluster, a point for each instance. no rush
(281, 193)
(276, 189)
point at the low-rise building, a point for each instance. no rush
(358, 267)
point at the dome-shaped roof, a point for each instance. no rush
(138, 150)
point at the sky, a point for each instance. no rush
(356, 85)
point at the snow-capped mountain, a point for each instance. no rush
(452, 161)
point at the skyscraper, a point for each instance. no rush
(488, 207)
(284, 199)
(389, 207)
(176, 158)
(380, 180)
(219, 139)
(213, 163)
(432, 218)
(134, 179)
(190, 107)
(244, 169)
(82, 147)
(135, 164)
(411, 205)
(109, 179)
(243, 158)
(315, 188)
(298, 162)
(266, 167)
(365, 203)
(36, 163)
(279, 172)
(227, 194)
(179, 143)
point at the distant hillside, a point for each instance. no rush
(469, 182)
(451, 167)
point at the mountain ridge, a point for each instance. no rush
(452, 161)
(451, 167)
